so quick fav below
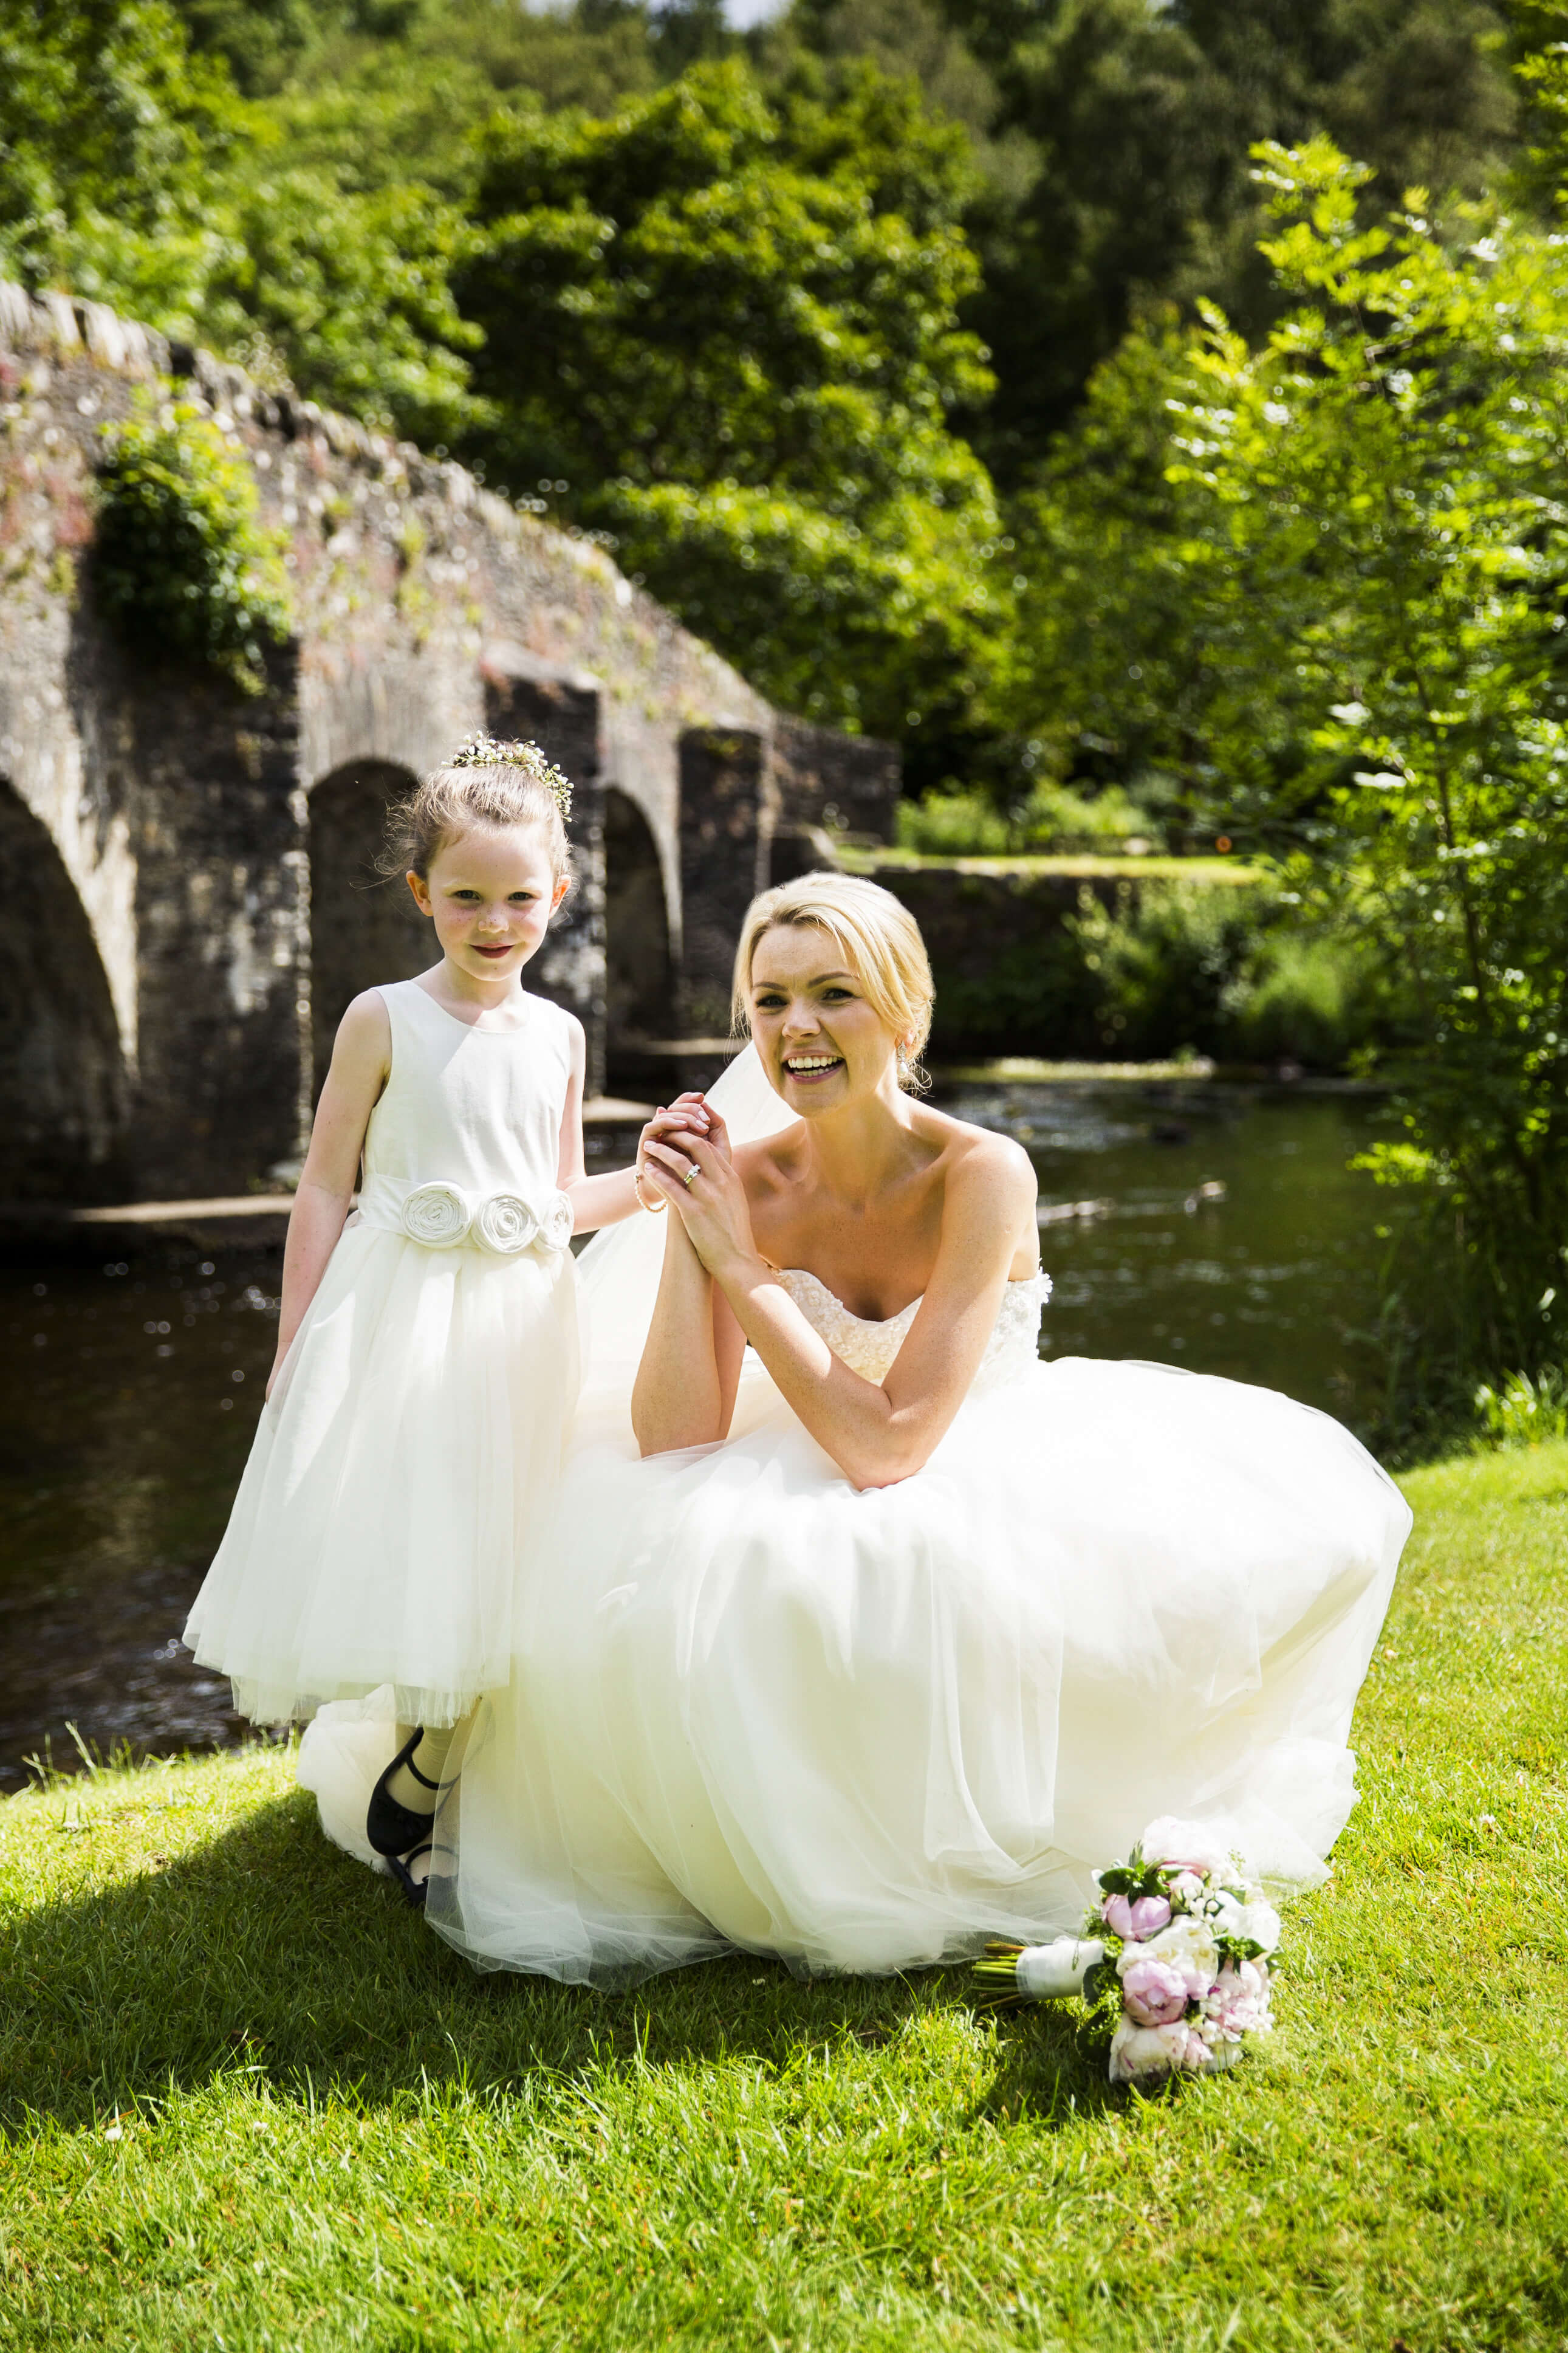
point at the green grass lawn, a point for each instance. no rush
(250, 2102)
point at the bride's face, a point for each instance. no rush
(820, 1041)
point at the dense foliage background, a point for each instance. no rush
(1150, 415)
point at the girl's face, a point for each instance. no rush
(821, 1042)
(492, 892)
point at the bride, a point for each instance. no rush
(861, 1634)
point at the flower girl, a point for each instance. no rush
(428, 1351)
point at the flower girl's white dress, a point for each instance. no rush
(415, 1433)
(753, 1707)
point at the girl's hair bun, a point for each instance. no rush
(483, 782)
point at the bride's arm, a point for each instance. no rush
(876, 1434)
(684, 1393)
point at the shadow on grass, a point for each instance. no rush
(268, 1951)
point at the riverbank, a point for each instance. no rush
(249, 2102)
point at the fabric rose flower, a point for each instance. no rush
(1137, 2052)
(1155, 1992)
(556, 1220)
(1187, 1846)
(436, 1214)
(505, 1224)
(1135, 1917)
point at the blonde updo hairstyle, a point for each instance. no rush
(483, 782)
(878, 939)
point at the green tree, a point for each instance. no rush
(1122, 129)
(109, 132)
(731, 327)
(1323, 581)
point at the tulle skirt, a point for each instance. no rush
(412, 1446)
(752, 1707)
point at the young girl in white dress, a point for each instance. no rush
(428, 1350)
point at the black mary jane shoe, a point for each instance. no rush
(414, 1889)
(393, 1829)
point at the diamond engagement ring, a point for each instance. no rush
(692, 1174)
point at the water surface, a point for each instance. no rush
(129, 1385)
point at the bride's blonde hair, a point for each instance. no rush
(879, 938)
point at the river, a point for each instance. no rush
(1200, 1224)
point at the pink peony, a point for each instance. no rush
(1135, 1917)
(1238, 2003)
(1137, 2052)
(1154, 1991)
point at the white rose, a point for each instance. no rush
(555, 1222)
(506, 1224)
(1254, 1922)
(1187, 1945)
(436, 1214)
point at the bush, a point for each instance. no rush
(1522, 1411)
(182, 562)
(1053, 820)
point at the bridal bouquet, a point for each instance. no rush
(1184, 1936)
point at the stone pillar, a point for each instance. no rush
(223, 929)
(728, 800)
(558, 710)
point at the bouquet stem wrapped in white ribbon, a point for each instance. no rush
(1186, 1937)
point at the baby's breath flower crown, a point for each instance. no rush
(487, 752)
(483, 782)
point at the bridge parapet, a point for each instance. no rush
(221, 847)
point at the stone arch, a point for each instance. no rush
(639, 971)
(363, 929)
(63, 1082)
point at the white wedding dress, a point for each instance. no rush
(752, 1707)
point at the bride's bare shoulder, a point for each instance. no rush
(987, 1161)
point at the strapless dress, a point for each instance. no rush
(752, 1707)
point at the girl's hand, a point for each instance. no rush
(697, 1175)
(687, 1115)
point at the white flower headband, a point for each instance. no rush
(485, 752)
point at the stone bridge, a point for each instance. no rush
(190, 896)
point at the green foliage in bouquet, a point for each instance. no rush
(182, 562)
(1322, 583)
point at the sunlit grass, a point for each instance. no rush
(251, 2103)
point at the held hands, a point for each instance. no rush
(688, 1115)
(695, 1169)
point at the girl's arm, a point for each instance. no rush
(362, 1058)
(606, 1200)
(877, 1434)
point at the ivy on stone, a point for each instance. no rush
(182, 563)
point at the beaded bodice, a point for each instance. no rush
(868, 1347)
